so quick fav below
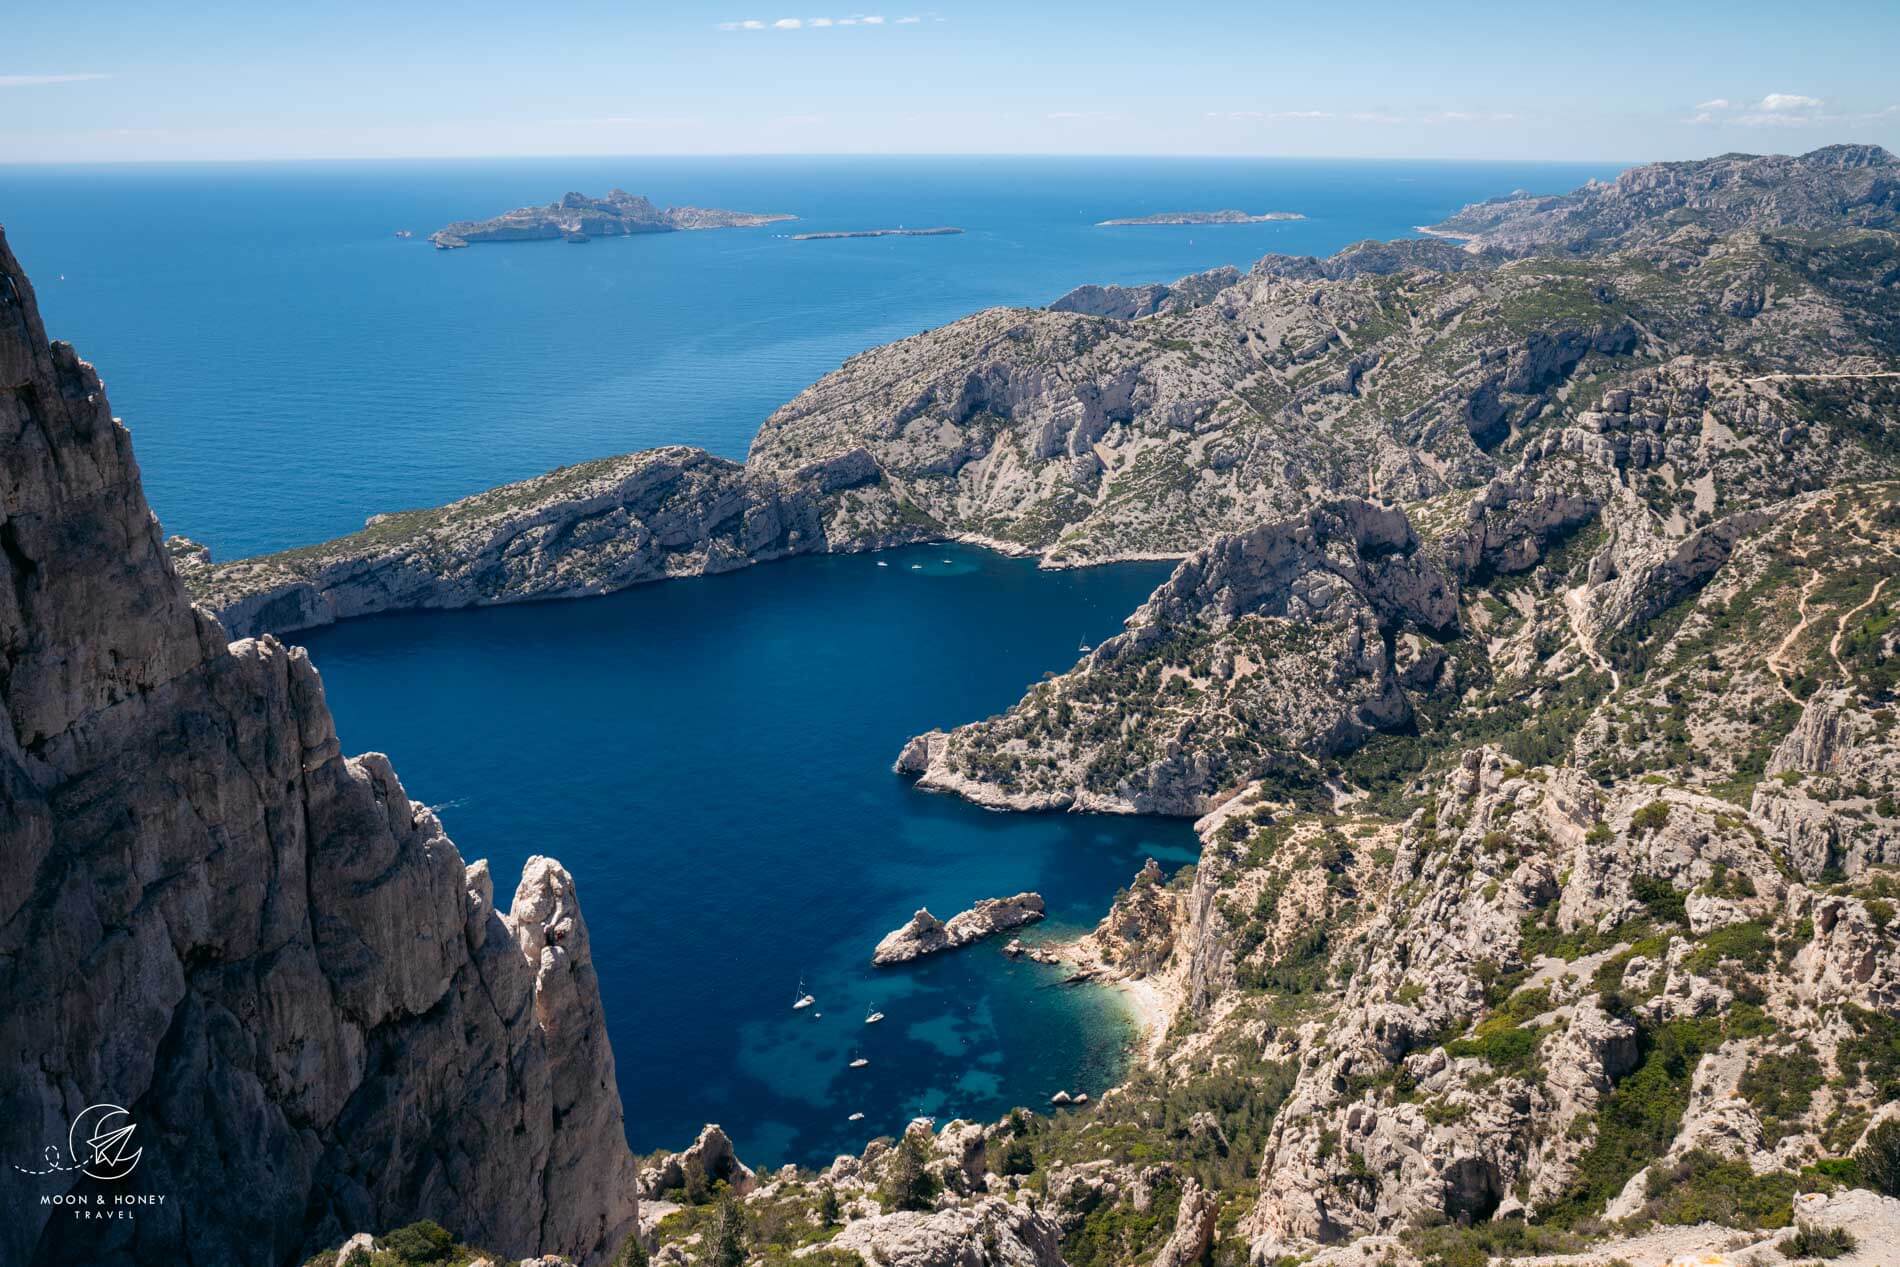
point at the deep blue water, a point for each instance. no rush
(711, 758)
(289, 367)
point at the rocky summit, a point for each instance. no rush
(1530, 666)
(311, 1010)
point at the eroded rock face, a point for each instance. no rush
(1820, 189)
(264, 951)
(711, 1157)
(926, 934)
(1259, 649)
(990, 1232)
(588, 529)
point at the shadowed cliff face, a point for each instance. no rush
(310, 1008)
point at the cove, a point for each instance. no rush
(711, 759)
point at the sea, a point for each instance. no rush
(711, 758)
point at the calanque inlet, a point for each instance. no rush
(1529, 669)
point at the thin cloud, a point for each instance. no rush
(777, 24)
(34, 81)
(1776, 110)
(1779, 102)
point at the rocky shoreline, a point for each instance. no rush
(925, 934)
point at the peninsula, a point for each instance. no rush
(1201, 217)
(578, 217)
(938, 232)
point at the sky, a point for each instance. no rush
(135, 81)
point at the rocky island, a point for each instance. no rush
(579, 217)
(938, 232)
(1201, 218)
(1531, 664)
(925, 934)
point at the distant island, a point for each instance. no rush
(580, 217)
(938, 232)
(1204, 217)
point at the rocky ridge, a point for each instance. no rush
(1854, 185)
(264, 951)
(1146, 422)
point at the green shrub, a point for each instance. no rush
(1659, 898)
(727, 1240)
(1705, 1188)
(1746, 944)
(1781, 1085)
(1879, 1158)
(424, 1242)
(632, 1253)
(908, 1184)
(1638, 1119)
(1652, 817)
(1818, 1242)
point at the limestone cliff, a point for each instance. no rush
(1857, 185)
(1142, 422)
(310, 1007)
(587, 529)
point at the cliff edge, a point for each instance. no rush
(305, 1005)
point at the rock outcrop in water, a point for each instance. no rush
(925, 934)
(312, 1011)
(578, 217)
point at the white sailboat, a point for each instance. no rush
(803, 999)
(855, 1117)
(859, 1063)
(873, 1016)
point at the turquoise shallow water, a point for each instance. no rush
(290, 367)
(711, 759)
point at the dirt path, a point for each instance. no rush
(1840, 626)
(1778, 658)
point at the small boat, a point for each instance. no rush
(881, 563)
(818, 1016)
(803, 1000)
(855, 1117)
(1084, 648)
(859, 1063)
(916, 567)
(873, 1016)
